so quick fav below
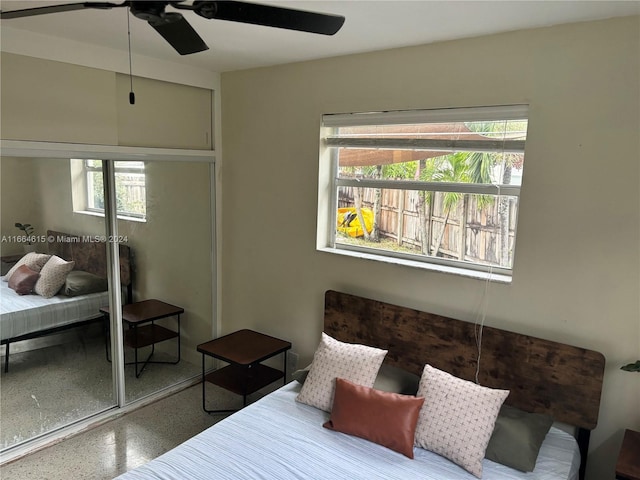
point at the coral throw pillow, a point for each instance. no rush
(388, 419)
(23, 280)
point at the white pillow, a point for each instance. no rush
(457, 418)
(35, 261)
(357, 363)
(52, 276)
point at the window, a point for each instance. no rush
(130, 188)
(432, 188)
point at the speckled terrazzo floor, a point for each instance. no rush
(124, 443)
(49, 387)
(120, 444)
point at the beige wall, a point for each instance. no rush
(56, 102)
(44, 100)
(19, 202)
(576, 275)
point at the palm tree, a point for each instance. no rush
(481, 165)
(455, 169)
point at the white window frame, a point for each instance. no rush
(89, 207)
(329, 181)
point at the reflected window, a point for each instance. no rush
(88, 188)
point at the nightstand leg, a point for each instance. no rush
(204, 403)
(107, 334)
(135, 350)
(284, 368)
(203, 385)
(6, 357)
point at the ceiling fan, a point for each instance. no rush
(175, 29)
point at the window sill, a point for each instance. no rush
(479, 275)
(101, 215)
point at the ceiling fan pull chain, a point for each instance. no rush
(132, 96)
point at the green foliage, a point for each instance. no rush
(400, 171)
(27, 228)
(631, 367)
(124, 203)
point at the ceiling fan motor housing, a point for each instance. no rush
(153, 12)
(205, 9)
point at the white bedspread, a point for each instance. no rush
(23, 314)
(278, 438)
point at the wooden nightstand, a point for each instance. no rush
(628, 465)
(243, 351)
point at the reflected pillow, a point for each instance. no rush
(388, 419)
(79, 282)
(52, 276)
(35, 261)
(23, 280)
(334, 359)
(517, 438)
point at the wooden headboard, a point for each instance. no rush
(90, 254)
(542, 376)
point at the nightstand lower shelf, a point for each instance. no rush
(243, 380)
(139, 337)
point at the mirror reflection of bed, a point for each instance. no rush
(81, 267)
(54, 363)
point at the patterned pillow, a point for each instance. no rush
(457, 418)
(357, 363)
(52, 276)
(35, 261)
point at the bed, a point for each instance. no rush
(24, 317)
(279, 437)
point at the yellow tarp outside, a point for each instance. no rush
(354, 229)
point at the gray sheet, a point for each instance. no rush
(24, 314)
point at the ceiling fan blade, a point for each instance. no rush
(30, 12)
(179, 34)
(270, 16)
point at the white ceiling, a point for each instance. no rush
(369, 26)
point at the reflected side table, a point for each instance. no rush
(143, 331)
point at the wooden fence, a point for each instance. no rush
(470, 234)
(131, 192)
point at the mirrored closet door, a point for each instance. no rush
(54, 369)
(151, 221)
